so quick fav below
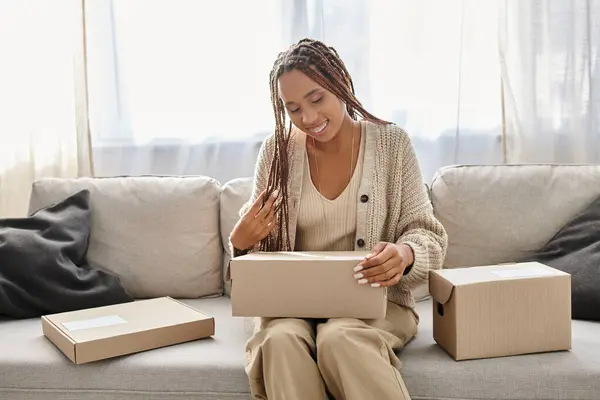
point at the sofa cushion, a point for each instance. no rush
(496, 214)
(234, 194)
(160, 235)
(575, 249)
(213, 368)
(43, 267)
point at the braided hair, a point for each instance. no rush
(322, 64)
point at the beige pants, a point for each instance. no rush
(293, 359)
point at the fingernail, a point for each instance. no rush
(369, 255)
(363, 281)
(358, 268)
(375, 284)
(358, 276)
(276, 193)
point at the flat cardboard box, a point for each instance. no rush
(303, 285)
(105, 332)
(501, 310)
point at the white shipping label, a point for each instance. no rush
(100, 322)
(523, 272)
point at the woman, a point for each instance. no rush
(331, 182)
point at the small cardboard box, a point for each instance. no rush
(303, 285)
(501, 310)
(104, 332)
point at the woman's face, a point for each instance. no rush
(312, 109)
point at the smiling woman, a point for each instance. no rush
(332, 181)
(321, 116)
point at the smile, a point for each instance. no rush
(319, 129)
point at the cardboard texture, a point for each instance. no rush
(501, 310)
(303, 285)
(105, 332)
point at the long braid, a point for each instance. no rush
(279, 170)
(322, 64)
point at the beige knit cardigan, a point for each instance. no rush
(393, 202)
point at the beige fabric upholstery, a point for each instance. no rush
(496, 214)
(160, 235)
(233, 196)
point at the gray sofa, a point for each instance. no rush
(164, 236)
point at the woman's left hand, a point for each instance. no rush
(385, 265)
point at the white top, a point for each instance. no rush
(328, 225)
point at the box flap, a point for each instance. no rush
(318, 256)
(440, 288)
(97, 323)
(498, 272)
(289, 257)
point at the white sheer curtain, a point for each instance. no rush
(43, 122)
(550, 52)
(181, 86)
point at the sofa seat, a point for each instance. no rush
(32, 368)
(431, 374)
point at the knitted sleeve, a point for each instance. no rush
(418, 227)
(261, 176)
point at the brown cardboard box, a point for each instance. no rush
(111, 331)
(501, 310)
(303, 285)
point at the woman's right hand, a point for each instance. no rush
(255, 224)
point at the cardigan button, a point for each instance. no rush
(364, 198)
(360, 243)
